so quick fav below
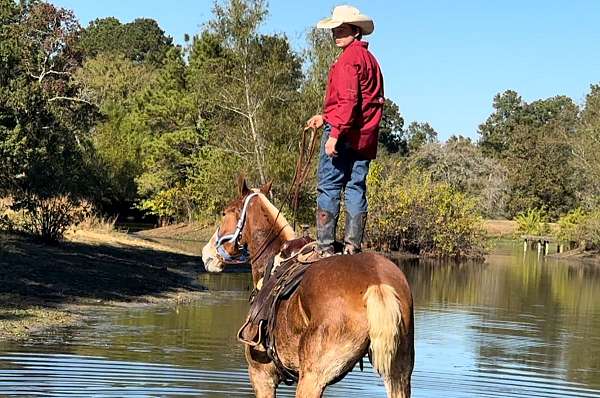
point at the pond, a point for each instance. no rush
(517, 326)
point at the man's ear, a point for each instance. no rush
(243, 186)
(266, 188)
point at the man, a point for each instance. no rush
(352, 112)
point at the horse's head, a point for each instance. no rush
(230, 242)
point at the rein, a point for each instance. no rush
(293, 194)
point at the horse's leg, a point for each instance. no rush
(262, 372)
(327, 352)
(309, 386)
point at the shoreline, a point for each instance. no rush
(45, 288)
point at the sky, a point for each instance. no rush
(443, 60)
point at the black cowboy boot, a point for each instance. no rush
(354, 232)
(326, 225)
(324, 247)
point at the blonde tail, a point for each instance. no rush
(385, 326)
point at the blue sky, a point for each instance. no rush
(443, 60)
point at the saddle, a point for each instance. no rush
(282, 277)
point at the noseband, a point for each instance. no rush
(234, 238)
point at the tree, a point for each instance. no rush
(141, 41)
(115, 84)
(585, 145)
(496, 132)
(44, 140)
(391, 133)
(45, 150)
(462, 165)
(420, 134)
(532, 141)
(246, 81)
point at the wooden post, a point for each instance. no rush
(525, 244)
(539, 247)
(546, 248)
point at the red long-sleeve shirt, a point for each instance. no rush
(354, 99)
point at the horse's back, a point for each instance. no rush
(334, 281)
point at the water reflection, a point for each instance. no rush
(516, 326)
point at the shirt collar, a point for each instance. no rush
(359, 43)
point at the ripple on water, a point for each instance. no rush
(513, 329)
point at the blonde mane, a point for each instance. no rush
(287, 233)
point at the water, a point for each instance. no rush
(513, 327)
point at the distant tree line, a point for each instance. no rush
(117, 114)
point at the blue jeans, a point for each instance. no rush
(345, 172)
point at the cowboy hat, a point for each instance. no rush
(350, 15)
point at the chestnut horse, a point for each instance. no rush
(346, 306)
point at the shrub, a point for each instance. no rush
(569, 226)
(47, 218)
(578, 226)
(533, 222)
(414, 214)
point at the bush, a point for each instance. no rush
(533, 222)
(414, 214)
(578, 226)
(47, 218)
(569, 226)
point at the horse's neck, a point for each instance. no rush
(268, 235)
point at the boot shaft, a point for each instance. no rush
(354, 232)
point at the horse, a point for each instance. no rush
(345, 307)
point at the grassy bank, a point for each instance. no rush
(500, 228)
(44, 287)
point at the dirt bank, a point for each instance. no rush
(45, 287)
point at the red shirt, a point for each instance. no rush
(354, 99)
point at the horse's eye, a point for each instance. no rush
(223, 213)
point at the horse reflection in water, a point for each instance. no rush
(346, 306)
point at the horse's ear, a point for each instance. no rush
(244, 190)
(266, 188)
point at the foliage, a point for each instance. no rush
(569, 225)
(248, 82)
(419, 134)
(581, 227)
(47, 218)
(413, 213)
(532, 142)
(533, 222)
(585, 145)
(45, 149)
(463, 166)
(141, 41)
(391, 133)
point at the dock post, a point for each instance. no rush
(525, 244)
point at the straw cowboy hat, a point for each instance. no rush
(350, 15)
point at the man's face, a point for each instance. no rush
(343, 35)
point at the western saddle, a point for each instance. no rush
(282, 276)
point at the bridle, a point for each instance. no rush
(234, 238)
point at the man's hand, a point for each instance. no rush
(315, 122)
(330, 147)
